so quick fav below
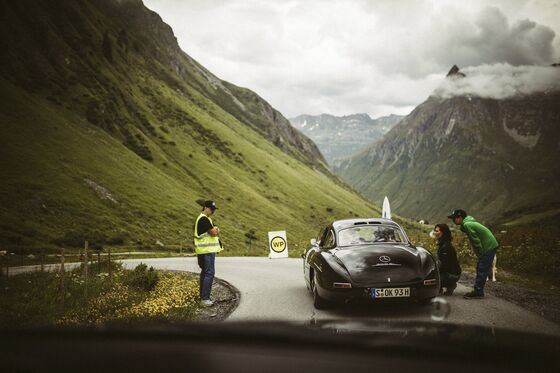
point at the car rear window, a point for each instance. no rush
(364, 235)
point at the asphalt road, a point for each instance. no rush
(274, 289)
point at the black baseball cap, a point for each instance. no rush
(210, 204)
(456, 213)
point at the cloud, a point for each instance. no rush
(501, 81)
(489, 38)
(343, 57)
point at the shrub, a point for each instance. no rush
(142, 278)
(103, 266)
(116, 240)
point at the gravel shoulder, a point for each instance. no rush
(226, 299)
(544, 304)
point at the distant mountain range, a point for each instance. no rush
(498, 159)
(341, 137)
(109, 132)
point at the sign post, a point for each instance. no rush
(277, 244)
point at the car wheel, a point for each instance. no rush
(318, 302)
(425, 301)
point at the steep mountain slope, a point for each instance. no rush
(494, 158)
(109, 132)
(341, 137)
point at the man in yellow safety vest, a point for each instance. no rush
(207, 244)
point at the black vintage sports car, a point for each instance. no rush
(368, 259)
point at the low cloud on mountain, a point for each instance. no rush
(500, 81)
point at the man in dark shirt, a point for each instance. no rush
(204, 225)
(207, 244)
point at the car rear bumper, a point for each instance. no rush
(418, 292)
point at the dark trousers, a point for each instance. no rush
(483, 268)
(207, 271)
(448, 280)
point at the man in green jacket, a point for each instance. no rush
(484, 245)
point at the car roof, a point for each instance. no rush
(346, 223)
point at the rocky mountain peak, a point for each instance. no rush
(340, 137)
(455, 72)
(359, 116)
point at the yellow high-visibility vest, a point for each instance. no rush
(205, 243)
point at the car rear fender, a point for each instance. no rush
(429, 264)
(337, 270)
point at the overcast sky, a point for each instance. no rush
(359, 56)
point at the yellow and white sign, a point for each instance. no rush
(278, 245)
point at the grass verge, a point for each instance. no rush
(141, 295)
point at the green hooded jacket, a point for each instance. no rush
(482, 240)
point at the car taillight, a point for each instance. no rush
(342, 285)
(432, 281)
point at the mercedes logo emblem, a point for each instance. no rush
(384, 259)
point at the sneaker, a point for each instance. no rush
(473, 295)
(206, 303)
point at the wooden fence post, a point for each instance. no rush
(7, 268)
(62, 269)
(86, 269)
(110, 265)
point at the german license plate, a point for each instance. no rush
(390, 292)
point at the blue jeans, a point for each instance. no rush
(207, 271)
(483, 268)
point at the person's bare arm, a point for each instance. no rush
(214, 232)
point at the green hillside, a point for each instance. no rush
(110, 133)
